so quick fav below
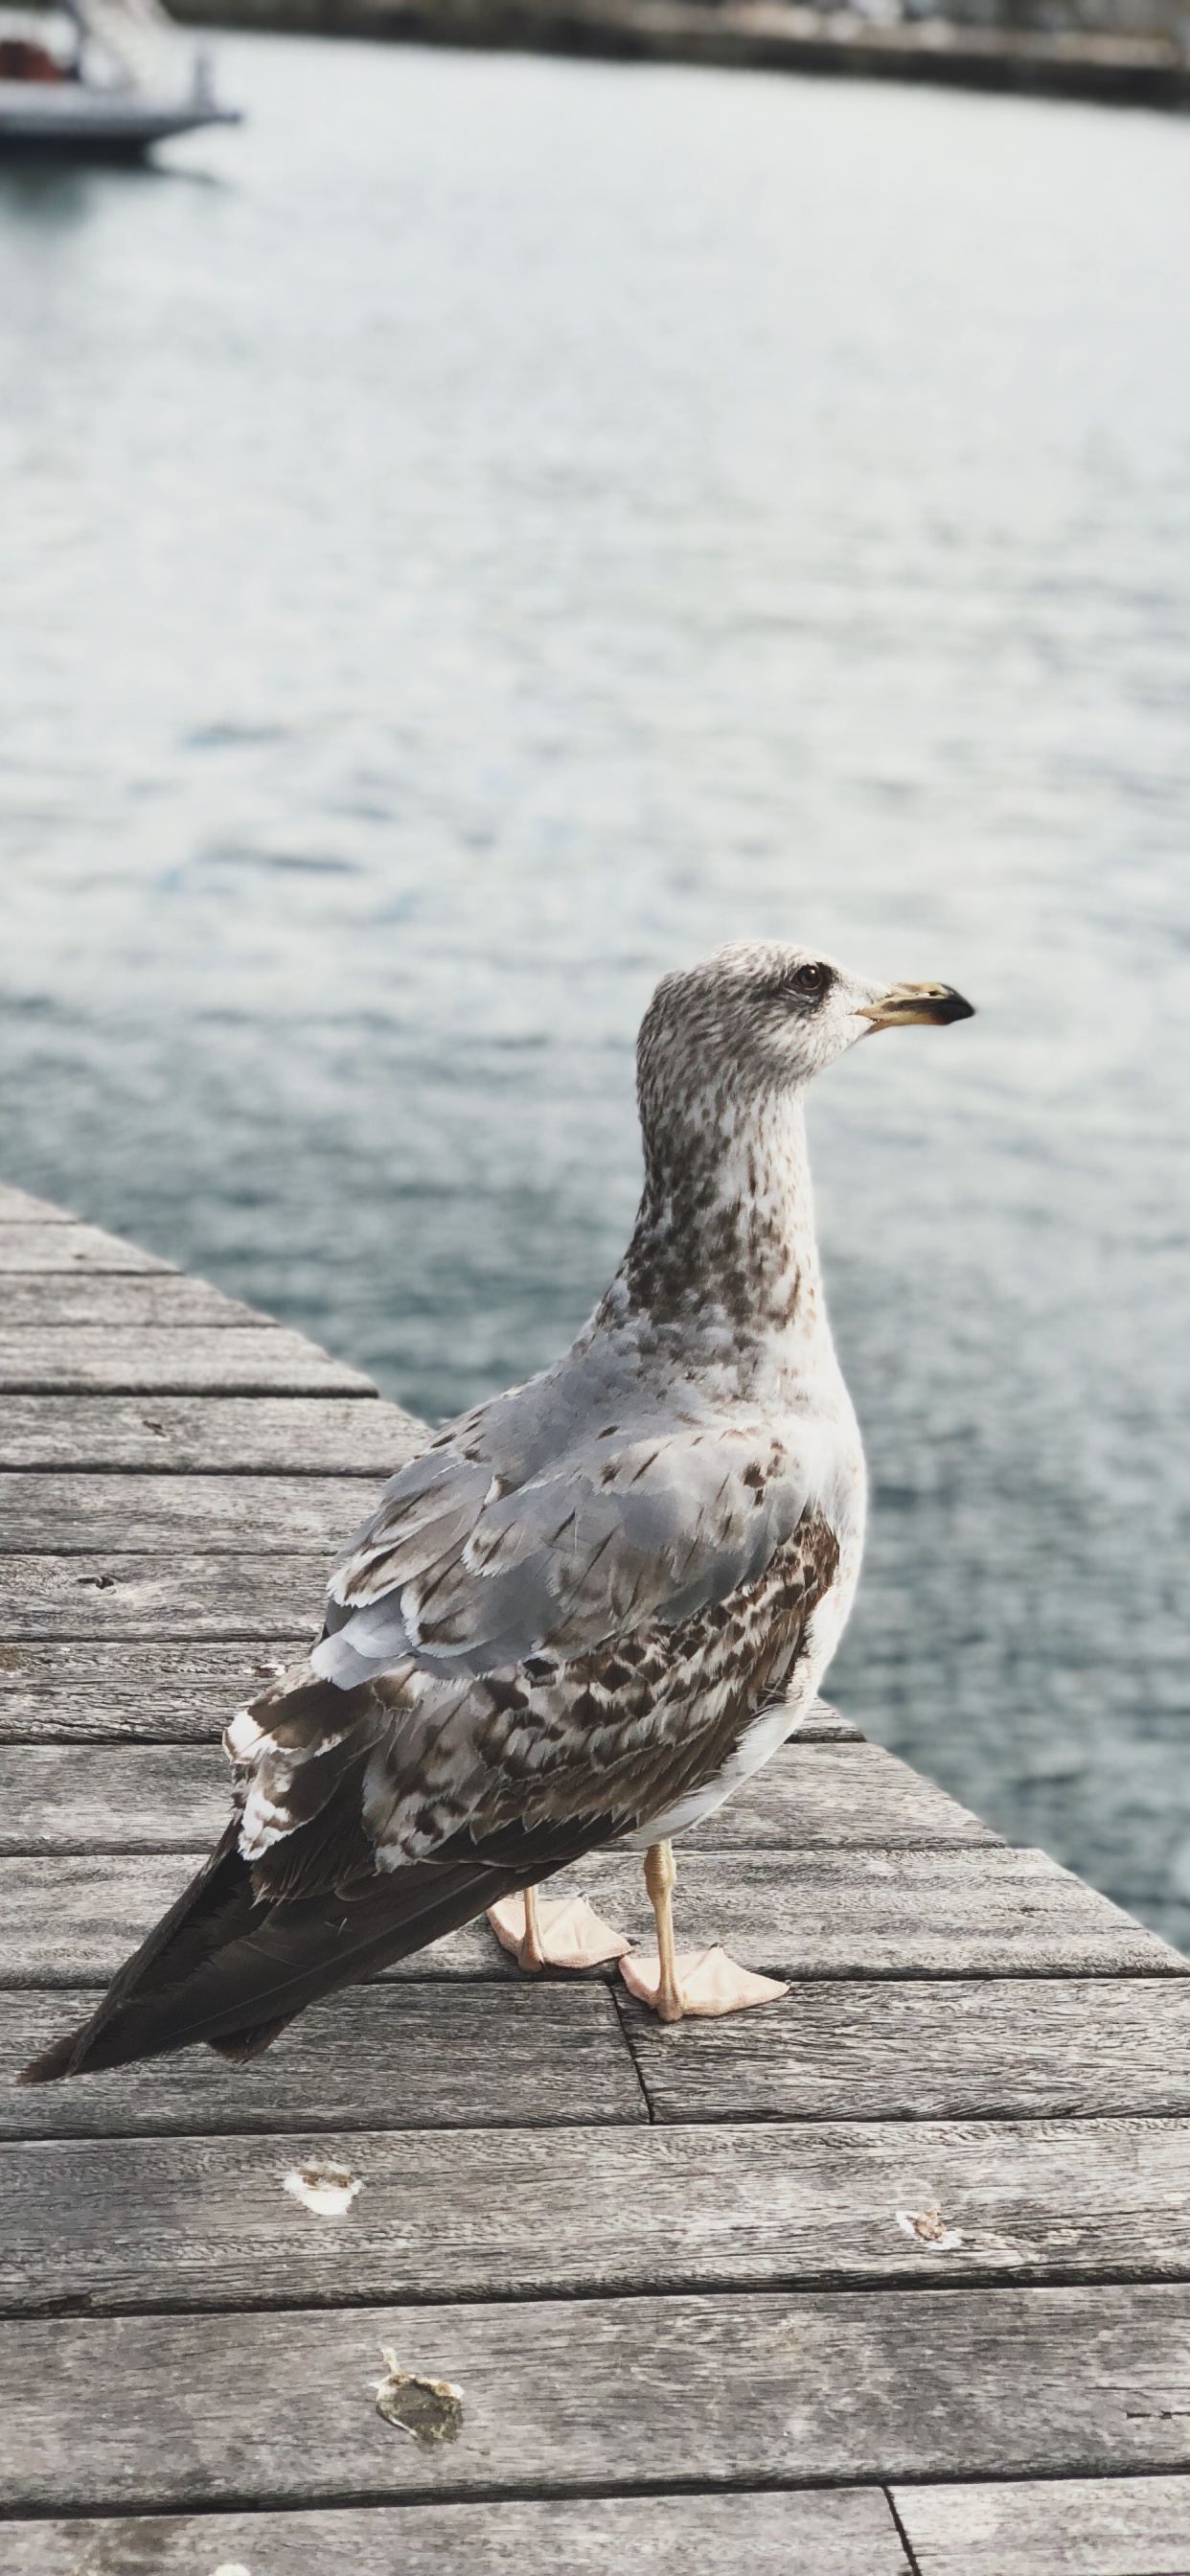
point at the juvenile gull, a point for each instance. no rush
(592, 1606)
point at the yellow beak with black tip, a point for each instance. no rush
(907, 1006)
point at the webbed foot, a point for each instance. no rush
(708, 1983)
(555, 1932)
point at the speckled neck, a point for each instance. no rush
(725, 1229)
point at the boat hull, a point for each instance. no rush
(61, 121)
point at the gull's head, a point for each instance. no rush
(764, 1016)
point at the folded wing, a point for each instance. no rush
(558, 1619)
(547, 1524)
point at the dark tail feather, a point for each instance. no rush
(230, 1968)
(239, 2047)
(192, 1927)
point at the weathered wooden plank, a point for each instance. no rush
(977, 1913)
(982, 1911)
(120, 1359)
(114, 1798)
(46, 1247)
(207, 1515)
(167, 1303)
(540, 2054)
(71, 1922)
(822, 1724)
(18, 1208)
(1037, 2049)
(1012, 2048)
(558, 2396)
(388, 2056)
(255, 1435)
(137, 2224)
(1061, 2527)
(793, 2532)
(170, 1797)
(86, 1691)
(110, 1595)
(836, 1793)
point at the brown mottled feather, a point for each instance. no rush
(571, 1758)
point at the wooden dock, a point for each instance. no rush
(888, 2278)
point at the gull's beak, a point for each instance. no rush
(906, 1006)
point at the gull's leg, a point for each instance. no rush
(530, 1955)
(703, 1982)
(564, 1932)
(661, 1875)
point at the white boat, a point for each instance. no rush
(100, 79)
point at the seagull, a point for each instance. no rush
(591, 1607)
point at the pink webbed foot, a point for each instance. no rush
(708, 1983)
(555, 1932)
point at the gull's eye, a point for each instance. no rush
(811, 979)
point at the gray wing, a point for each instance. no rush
(376, 1819)
(554, 1519)
(559, 1621)
(525, 1645)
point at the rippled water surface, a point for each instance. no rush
(492, 529)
